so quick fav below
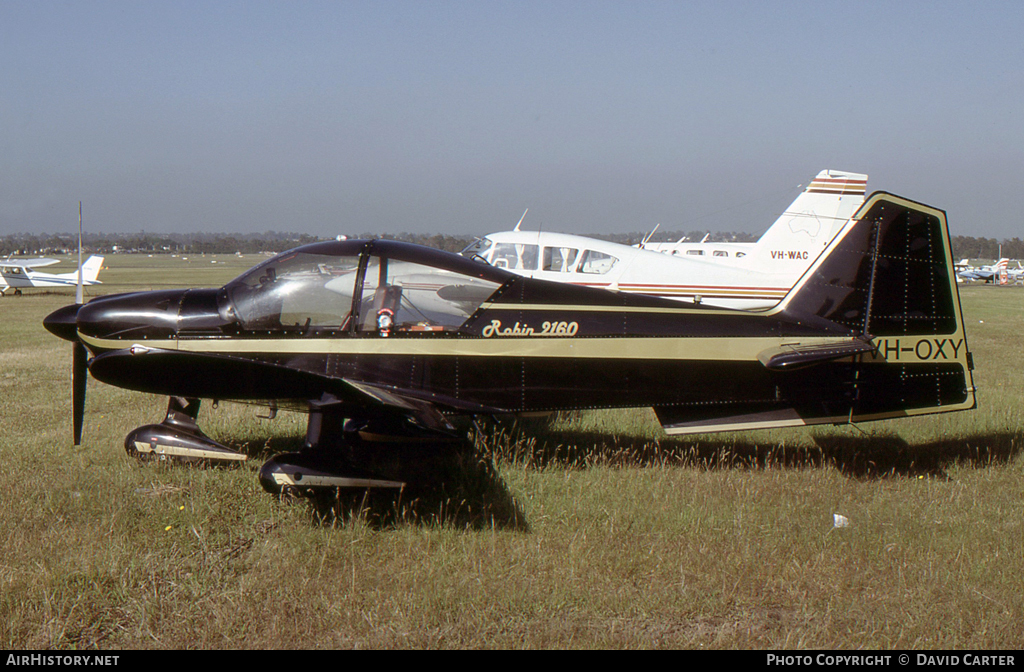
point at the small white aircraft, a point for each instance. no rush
(18, 274)
(732, 275)
(990, 273)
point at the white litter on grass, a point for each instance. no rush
(840, 520)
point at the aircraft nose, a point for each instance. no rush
(63, 322)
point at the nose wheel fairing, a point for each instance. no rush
(178, 437)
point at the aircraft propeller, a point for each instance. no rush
(79, 376)
(80, 357)
(63, 322)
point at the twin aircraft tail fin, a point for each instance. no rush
(886, 290)
(800, 234)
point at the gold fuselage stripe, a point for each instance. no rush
(670, 348)
(734, 349)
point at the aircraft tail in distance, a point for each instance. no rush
(90, 271)
(91, 268)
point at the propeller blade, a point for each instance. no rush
(78, 285)
(79, 375)
(80, 368)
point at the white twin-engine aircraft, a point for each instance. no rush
(733, 275)
(19, 274)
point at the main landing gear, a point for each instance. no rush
(324, 462)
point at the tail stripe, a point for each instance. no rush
(838, 185)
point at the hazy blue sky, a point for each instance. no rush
(453, 117)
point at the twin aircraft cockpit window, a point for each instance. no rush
(521, 257)
(303, 292)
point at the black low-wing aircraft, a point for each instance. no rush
(379, 338)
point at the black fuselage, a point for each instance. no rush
(377, 322)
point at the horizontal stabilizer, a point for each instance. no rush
(793, 356)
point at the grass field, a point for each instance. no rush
(593, 531)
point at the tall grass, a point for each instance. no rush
(584, 530)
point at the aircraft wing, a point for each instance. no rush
(423, 412)
(28, 263)
(219, 376)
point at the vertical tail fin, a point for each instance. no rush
(890, 274)
(890, 280)
(800, 234)
(90, 271)
(91, 268)
(884, 291)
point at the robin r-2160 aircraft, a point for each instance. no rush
(387, 340)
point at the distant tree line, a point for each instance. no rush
(270, 241)
(152, 243)
(987, 248)
(26, 244)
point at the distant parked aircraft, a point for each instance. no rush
(18, 274)
(988, 273)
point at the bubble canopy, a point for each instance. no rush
(377, 286)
